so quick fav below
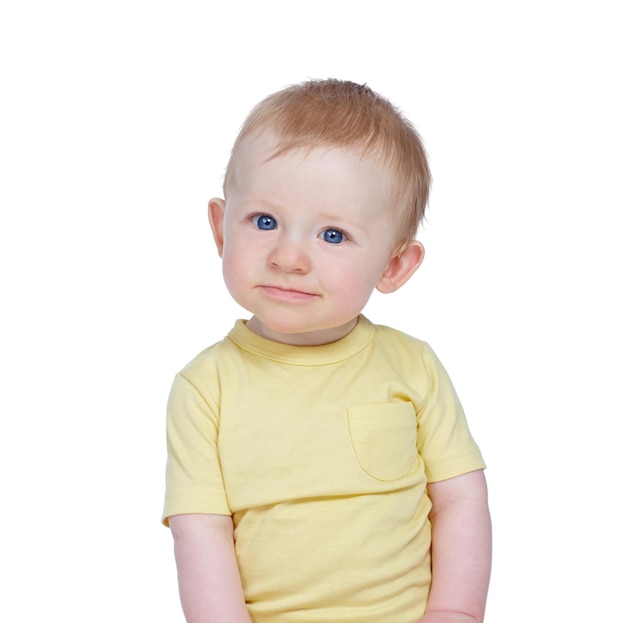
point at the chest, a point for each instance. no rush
(293, 432)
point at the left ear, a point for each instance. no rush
(401, 266)
(216, 219)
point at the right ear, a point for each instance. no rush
(216, 219)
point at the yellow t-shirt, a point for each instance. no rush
(321, 454)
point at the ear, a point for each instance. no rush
(216, 219)
(401, 266)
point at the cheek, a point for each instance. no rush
(234, 263)
(354, 280)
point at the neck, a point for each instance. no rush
(308, 338)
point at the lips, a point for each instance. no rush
(287, 294)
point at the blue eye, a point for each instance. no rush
(265, 222)
(333, 236)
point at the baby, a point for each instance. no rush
(320, 467)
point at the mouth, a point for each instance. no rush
(287, 294)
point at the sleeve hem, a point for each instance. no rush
(188, 503)
(446, 469)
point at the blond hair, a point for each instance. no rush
(339, 113)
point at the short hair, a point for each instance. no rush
(340, 113)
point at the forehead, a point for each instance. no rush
(261, 160)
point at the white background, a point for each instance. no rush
(116, 123)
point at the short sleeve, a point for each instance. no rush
(444, 439)
(194, 482)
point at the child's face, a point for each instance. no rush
(304, 239)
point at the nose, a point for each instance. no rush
(290, 255)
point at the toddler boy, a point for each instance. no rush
(320, 467)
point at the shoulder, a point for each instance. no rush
(410, 354)
(388, 337)
(208, 362)
(199, 382)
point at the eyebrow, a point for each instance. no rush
(261, 202)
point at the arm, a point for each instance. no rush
(461, 550)
(208, 576)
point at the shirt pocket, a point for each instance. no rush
(384, 438)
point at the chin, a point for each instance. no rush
(285, 324)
